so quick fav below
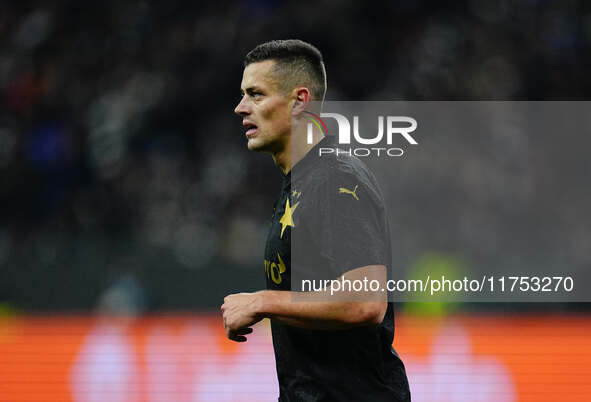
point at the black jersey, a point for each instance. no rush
(335, 209)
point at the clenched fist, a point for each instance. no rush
(239, 312)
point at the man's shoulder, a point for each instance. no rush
(337, 179)
(350, 171)
(340, 167)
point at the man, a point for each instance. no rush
(326, 348)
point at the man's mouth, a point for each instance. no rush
(251, 129)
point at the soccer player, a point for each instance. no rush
(326, 349)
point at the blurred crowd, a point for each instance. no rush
(126, 183)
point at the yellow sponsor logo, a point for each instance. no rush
(274, 269)
(343, 190)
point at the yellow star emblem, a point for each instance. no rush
(286, 220)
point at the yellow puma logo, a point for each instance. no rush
(347, 191)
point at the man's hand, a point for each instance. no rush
(239, 312)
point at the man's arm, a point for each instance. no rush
(312, 310)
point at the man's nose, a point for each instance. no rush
(242, 108)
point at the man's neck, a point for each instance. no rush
(294, 151)
(282, 160)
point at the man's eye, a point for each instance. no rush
(256, 94)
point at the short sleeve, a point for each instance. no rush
(344, 225)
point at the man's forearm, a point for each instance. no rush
(305, 312)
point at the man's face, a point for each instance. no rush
(265, 110)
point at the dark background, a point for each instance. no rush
(126, 184)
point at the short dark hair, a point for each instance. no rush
(298, 63)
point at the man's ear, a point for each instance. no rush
(301, 100)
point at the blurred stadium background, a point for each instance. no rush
(131, 207)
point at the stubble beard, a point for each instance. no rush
(263, 144)
(256, 144)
